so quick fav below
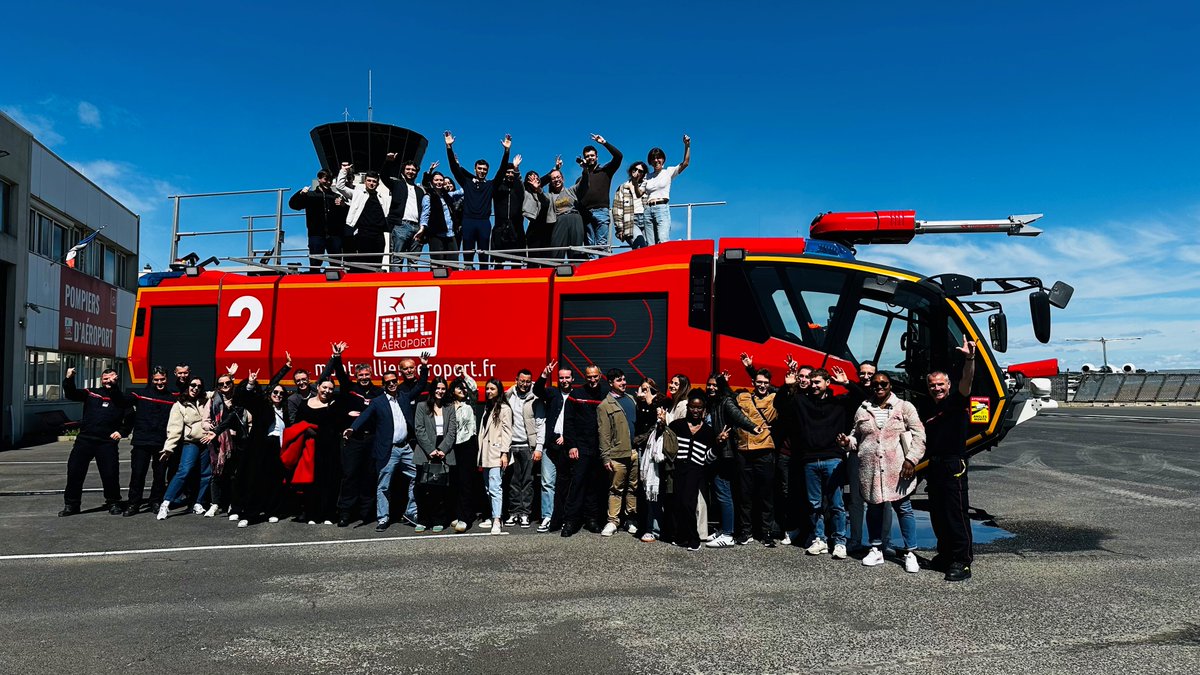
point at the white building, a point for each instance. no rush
(55, 317)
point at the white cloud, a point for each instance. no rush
(139, 193)
(40, 126)
(89, 115)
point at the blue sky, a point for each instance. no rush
(957, 110)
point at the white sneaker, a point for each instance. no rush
(273, 519)
(312, 522)
(512, 520)
(327, 522)
(544, 526)
(496, 526)
(524, 521)
(609, 529)
(234, 517)
(910, 563)
(460, 526)
(721, 541)
(787, 539)
(212, 511)
(874, 557)
(163, 509)
(197, 509)
(709, 537)
(631, 528)
(817, 547)
(243, 523)
(487, 522)
(839, 551)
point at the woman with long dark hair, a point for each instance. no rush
(230, 424)
(465, 473)
(260, 478)
(327, 413)
(723, 411)
(677, 391)
(495, 438)
(186, 433)
(436, 432)
(694, 442)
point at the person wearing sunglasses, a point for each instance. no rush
(883, 427)
(186, 433)
(628, 211)
(260, 478)
(231, 425)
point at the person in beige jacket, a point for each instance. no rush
(495, 441)
(186, 431)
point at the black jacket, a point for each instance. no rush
(150, 409)
(581, 426)
(103, 410)
(553, 399)
(820, 420)
(726, 413)
(250, 396)
(322, 216)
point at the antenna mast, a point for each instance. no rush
(369, 95)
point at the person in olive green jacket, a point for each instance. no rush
(616, 415)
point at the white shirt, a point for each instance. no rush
(658, 185)
(520, 436)
(399, 425)
(411, 212)
(439, 423)
(558, 423)
(277, 424)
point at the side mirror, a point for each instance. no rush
(998, 328)
(1060, 294)
(1039, 312)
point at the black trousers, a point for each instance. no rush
(754, 493)
(577, 484)
(431, 503)
(688, 479)
(82, 454)
(786, 512)
(321, 496)
(465, 484)
(359, 478)
(142, 459)
(224, 494)
(369, 242)
(948, 504)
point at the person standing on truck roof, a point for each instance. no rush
(439, 228)
(409, 214)
(528, 441)
(628, 211)
(581, 431)
(536, 209)
(508, 198)
(477, 200)
(822, 416)
(568, 223)
(151, 410)
(370, 203)
(658, 191)
(324, 216)
(594, 198)
(947, 419)
(617, 417)
(99, 431)
(359, 474)
(554, 455)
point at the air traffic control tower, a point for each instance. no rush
(366, 145)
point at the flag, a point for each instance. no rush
(79, 247)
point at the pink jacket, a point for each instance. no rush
(880, 454)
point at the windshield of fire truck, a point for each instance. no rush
(904, 327)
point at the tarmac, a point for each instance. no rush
(1104, 506)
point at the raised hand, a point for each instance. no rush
(424, 358)
(231, 369)
(70, 372)
(967, 348)
(724, 435)
(391, 156)
(549, 369)
(687, 140)
(449, 138)
(747, 360)
(790, 377)
(338, 347)
(791, 363)
(289, 358)
(516, 161)
(558, 161)
(507, 142)
(433, 165)
(599, 139)
(839, 375)
(304, 189)
(253, 376)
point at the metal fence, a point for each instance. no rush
(1127, 388)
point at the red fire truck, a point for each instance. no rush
(688, 307)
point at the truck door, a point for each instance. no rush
(184, 335)
(615, 331)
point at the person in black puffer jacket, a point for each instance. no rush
(723, 412)
(149, 408)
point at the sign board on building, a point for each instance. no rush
(88, 309)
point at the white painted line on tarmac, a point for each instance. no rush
(1120, 417)
(62, 461)
(233, 547)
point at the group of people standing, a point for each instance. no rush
(773, 460)
(388, 215)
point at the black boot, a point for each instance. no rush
(68, 510)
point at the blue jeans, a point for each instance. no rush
(857, 509)
(823, 481)
(495, 480)
(637, 238)
(549, 475)
(904, 514)
(658, 223)
(402, 456)
(189, 456)
(595, 226)
(724, 492)
(403, 241)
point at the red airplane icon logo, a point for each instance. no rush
(399, 302)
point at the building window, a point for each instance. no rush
(45, 371)
(6, 206)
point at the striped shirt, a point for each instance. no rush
(698, 448)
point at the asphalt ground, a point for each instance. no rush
(1099, 577)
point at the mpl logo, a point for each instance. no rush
(406, 320)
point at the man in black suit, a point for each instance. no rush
(555, 400)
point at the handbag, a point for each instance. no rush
(434, 474)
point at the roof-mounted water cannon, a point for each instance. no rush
(899, 227)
